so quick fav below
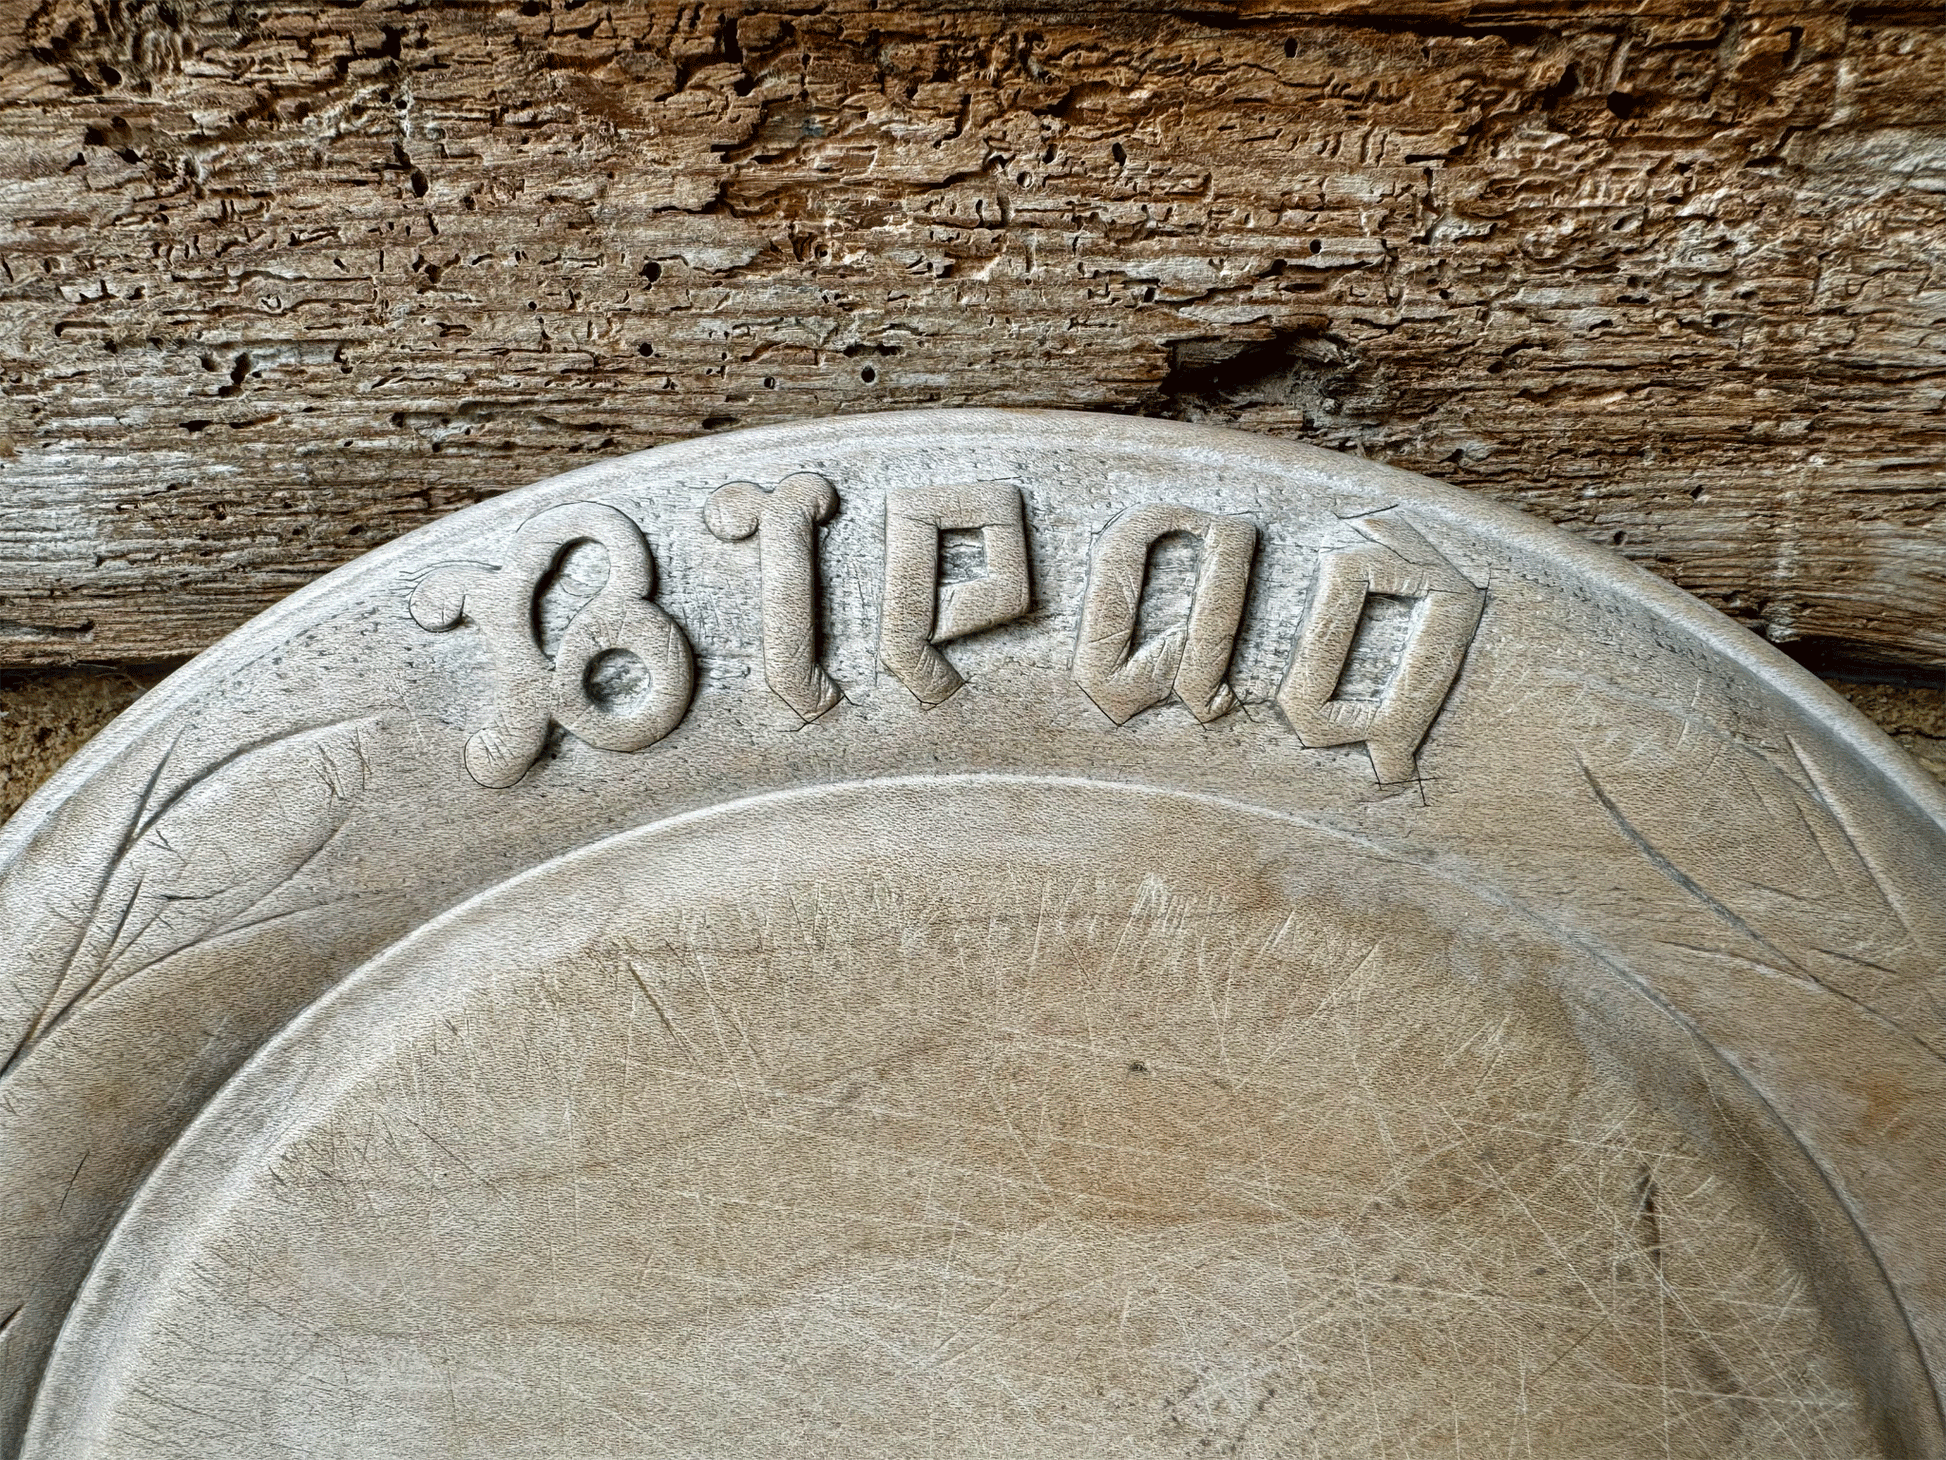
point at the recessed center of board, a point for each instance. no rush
(980, 1116)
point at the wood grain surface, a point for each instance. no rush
(1507, 1023)
(278, 282)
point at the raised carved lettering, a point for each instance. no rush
(1189, 660)
(916, 613)
(530, 691)
(785, 523)
(1446, 612)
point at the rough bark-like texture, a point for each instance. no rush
(277, 282)
(46, 715)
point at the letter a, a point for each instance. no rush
(1189, 660)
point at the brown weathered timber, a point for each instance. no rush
(46, 715)
(277, 283)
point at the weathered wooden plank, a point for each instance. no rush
(46, 715)
(277, 283)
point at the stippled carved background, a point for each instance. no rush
(277, 283)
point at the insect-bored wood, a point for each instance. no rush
(278, 282)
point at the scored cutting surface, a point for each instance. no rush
(1038, 1119)
(1109, 939)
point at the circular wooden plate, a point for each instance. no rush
(978, 933)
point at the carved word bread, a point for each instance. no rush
(977, 933)
(1188, 661)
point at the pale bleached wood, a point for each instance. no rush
(277, 283)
